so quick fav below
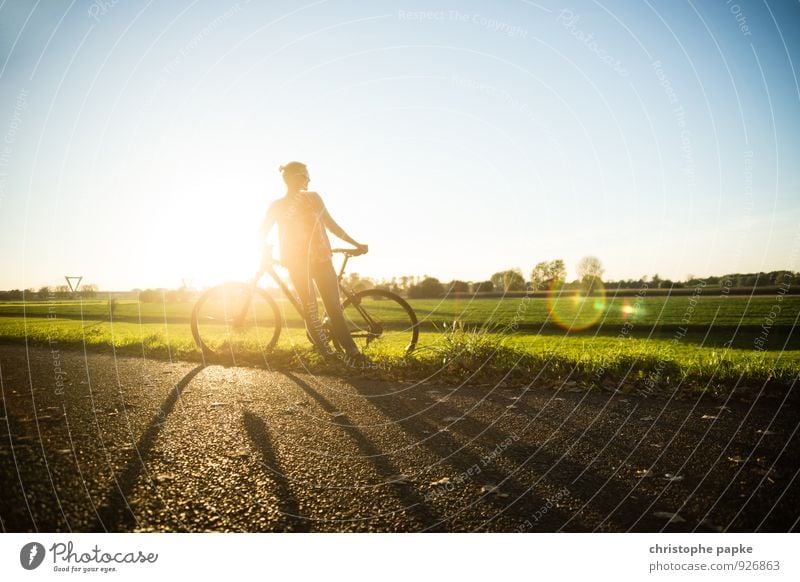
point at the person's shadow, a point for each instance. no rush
(288, 506)
(115, 514)
(417, 508)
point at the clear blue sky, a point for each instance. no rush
(141, 140)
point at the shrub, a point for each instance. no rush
(483, 287)
(428, 287)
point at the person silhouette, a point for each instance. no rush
(305, 251)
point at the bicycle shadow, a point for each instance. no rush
(546, 466)
(503, 490)
(116, 514)
(415, 505)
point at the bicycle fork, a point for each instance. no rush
(240, 318)
(374, 329)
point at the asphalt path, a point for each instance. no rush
(93, 442)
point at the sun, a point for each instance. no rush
(206, 225)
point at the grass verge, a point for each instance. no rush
(457, 355)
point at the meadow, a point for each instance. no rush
(707, 341)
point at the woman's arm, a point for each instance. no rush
(266, 225)
(263, 232)
(334, 227)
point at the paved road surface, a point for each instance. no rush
(138, 445)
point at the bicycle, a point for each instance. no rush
(237, 317)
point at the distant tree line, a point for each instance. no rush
(180, 295)
(87, 291)
(544, 275)
(548, 274)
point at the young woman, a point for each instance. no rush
(302, 221)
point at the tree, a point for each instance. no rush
(547, 272)
(747, 281)
(89, 290)
(428, 287)
(540, 275)
(457, 286)
(482, 287)
(590, 269)
(151, 296)
(179, 295)
(780, 277)
(43, 292)
(386, 285)
(356, 282)
(557, 270)
(509, 280)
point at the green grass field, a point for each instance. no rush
(717, 310)
(708, 342)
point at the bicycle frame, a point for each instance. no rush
(344, 291)
(356, 306)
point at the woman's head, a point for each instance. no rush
(295, 174)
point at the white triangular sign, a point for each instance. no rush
(77, 280)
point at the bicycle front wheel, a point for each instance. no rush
(236, 321)
(381, 321)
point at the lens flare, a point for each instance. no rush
(632, 310)
(576, 309)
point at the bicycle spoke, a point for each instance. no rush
(235, 321)
(380, 322)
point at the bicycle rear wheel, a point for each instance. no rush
(381, 321)
(236, 320)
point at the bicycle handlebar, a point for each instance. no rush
(268, 261)
(349, 252)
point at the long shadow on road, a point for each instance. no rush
(116, 514)
(540, 463)
(287, 505)
(452, 453)
(415, 505)
(458, 456)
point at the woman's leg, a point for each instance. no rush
(301, 279)
(328, 285)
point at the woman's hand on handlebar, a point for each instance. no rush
(358, 250)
